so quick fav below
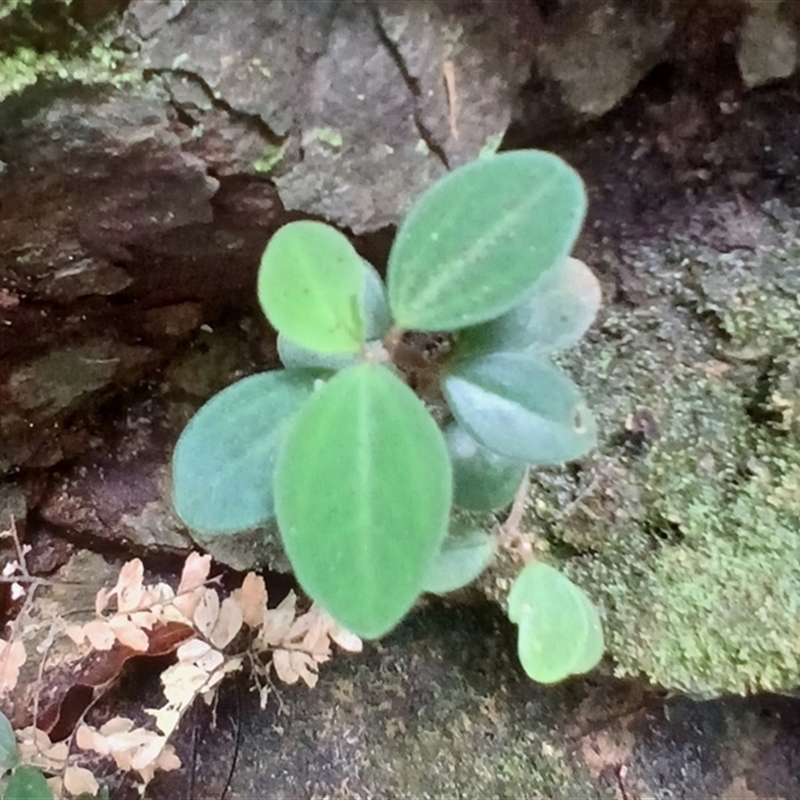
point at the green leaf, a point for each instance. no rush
(562, 306)
(223, 462)
(520, 407)
(477, 241)
(363, 489)
(310, 285)
(27, 783)
(9, 751)
(293, 356)
(377, 320)
(377, 315)
(482, 480)
(464, 554)
(559, 628)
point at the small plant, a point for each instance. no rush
(365, 445)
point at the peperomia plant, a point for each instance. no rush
(365, 445)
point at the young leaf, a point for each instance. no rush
(559, 628)
(9, 752)
(310, 286)
(27, 783)
(478, 240)
(363, 488)
(562, 306)
(482, 480)
(464, 554)
(223, 461)
(377, 321)
(520, 407)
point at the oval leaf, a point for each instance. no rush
(363, 489)
(223, 462)
(482, 480)
(464, 554)
(293, 356)
(9, 751)
(520, 407)
(27, 783)
(377, 321)
(563, 305)
(479, 239)
(310, 286)
(377, 316)
(559, 628)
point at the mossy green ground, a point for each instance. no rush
(685, 525)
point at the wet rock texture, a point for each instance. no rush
(139, 183)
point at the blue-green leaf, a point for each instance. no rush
(223, 462)
(9, 751)
(464, 555)
(561, 307)
(482, 479)
(520, 408)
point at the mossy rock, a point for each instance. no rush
(685, 526)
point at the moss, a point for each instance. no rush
(687, 530)
(273, 155)
(42, 41)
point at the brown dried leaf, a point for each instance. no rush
(78, 780)
(195, 572)
(12, 657)
(344, 639)
(292, 665)
(100, 634)
(129, 634)
(228, 624)
(278, 622)
(252, 598)
(130, 586)
(207, 612)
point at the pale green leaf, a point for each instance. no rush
(477, 241)
(464, 555)
(559, 628)
(363, 490)
(311, 285)
(520, 407)
(558, 312)
(223, 462)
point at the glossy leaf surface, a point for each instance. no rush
(311, 285)
(363, 490)
(560, 309)
(477, 241)
(464, 555)
(27, 783)
(559, 628)
(520, 407)
(482, 480)
(223, 462)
